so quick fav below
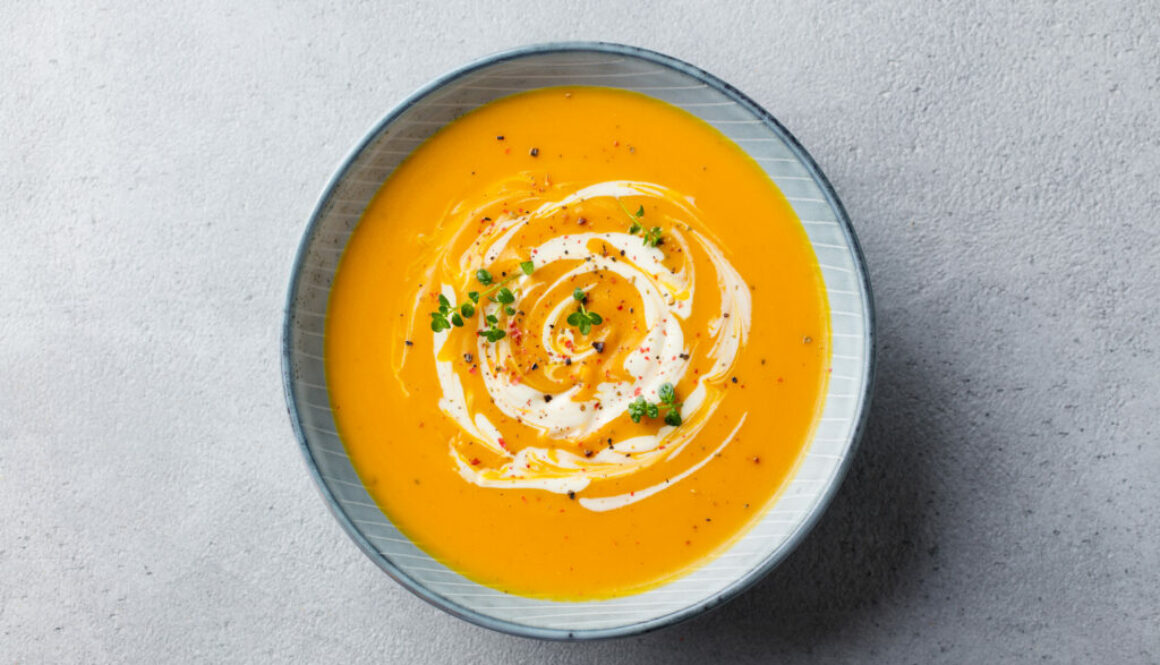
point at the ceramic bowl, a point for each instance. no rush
(825, 459)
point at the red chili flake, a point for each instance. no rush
(507, 151)
(475, 461)
(636, 392)
(502, 443)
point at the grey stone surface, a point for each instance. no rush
(1000, 163)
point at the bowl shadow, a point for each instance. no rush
(868, 546)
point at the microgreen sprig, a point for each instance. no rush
(447, 315)
(640, 407)
(492, 333)
(582, 318)
(651, 237)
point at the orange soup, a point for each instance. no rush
(576, 344)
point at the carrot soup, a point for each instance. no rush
(576, 344)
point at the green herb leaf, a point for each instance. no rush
(574, 319)
(528, 267)
(455, 319)
(467, 310)
(444, 304)
(585, 327)
(578, 294)
(483, 276)
(635, 228)
(640, 211)
(509, 310)
(474, 295)
(594, 318)
(505, 296)
(492, 319)
(652, 410)
(636, 409)
(666, 393)
(673, 418)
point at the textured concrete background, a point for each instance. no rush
(1000, 163)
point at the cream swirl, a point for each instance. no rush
(566, 392)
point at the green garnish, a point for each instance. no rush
(582, 318)
(446, 316)
(651, 237)
(439, 319)
(635, 227)
(492, 333)
(640, 407)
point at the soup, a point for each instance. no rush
(576, 344)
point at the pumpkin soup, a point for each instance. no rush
(576, 344)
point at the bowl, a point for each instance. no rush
(825, 459)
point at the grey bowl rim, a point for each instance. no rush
(775, 557)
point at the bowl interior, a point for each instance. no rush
(340, 209)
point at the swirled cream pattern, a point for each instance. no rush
(546, 406)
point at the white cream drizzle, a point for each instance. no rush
(667, 299)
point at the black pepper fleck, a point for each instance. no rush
(567, 361)
(547, 398)
(599, 346)
(572, 495)
(535, 152)
(409, 343)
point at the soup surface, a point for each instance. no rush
(576, 344)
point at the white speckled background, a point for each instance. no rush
(1000, 163)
